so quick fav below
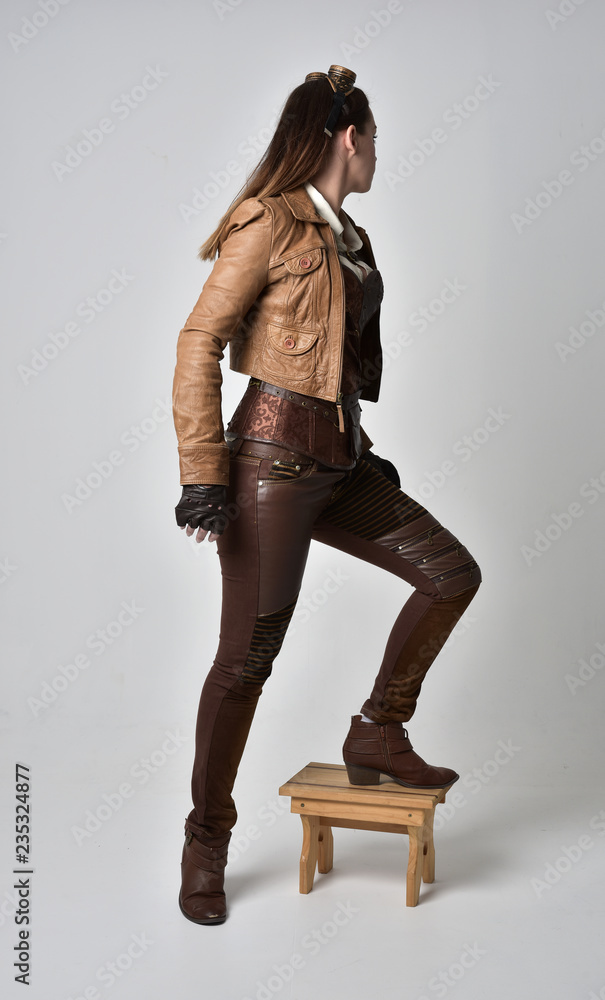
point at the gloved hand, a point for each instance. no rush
(383, 465)
(200, 507)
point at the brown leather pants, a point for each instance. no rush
(275, 509)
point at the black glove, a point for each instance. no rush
(200, 507)
(383, 465)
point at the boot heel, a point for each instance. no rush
(359, 775)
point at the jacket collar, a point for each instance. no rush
(301, 206)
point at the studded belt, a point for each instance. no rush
(321, 406)
(266, 449)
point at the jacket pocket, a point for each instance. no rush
(289, 354)
(304, 262)
(280, 471)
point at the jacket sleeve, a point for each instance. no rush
(236, 280)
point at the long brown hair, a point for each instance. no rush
(299, 147)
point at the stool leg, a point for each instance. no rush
(416, 840)
(308, 857)
(428, 863)
(326, 849)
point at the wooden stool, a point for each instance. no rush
(324, 797)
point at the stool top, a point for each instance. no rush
(330, 781)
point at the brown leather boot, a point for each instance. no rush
(372, 749)
(202, 897)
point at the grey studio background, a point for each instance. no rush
(128, 129)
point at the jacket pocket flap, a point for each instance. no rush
(305, 262)
(290, 341)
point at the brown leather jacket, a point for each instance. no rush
(276, 296)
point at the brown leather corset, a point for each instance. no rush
(307, 425)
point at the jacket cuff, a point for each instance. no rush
(207, 465)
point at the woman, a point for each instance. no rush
(296, 294)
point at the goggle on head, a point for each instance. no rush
(342, 81)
